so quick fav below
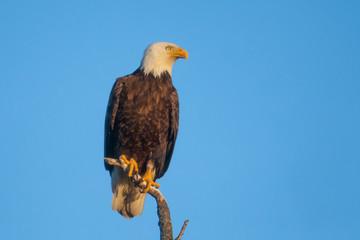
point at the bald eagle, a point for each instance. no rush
(141, 125)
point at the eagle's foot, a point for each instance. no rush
(149, 182)
(132, 164)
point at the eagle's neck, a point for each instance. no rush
(157, 65)
(163, 78)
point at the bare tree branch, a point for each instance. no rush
(182, 230)
(163, 211)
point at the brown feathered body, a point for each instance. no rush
(141, 122)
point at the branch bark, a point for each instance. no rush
(163, 211)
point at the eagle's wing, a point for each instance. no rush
(173, 131)
(112, 109)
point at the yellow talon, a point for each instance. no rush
(148, 179)
(125, 159)
(132, 163)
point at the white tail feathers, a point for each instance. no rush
(127, 199)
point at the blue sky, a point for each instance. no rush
(268, 145)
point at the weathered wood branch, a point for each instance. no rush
(163, 211)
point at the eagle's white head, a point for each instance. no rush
(160, 57)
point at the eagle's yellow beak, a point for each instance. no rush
(180, 53)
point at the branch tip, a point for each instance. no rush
(182, 230)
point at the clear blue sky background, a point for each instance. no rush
(268, 146)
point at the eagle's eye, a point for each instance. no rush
(168, 48)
